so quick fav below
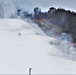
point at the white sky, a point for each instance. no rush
(46, 4)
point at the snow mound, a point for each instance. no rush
(12, 24)
(16, 26)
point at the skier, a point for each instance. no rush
(19, 34)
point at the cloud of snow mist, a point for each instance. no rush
(65, 46)
(6, 8)
(63, 42)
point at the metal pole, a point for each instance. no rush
(30, 71)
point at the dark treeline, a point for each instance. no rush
(60, 17)
(64, 19)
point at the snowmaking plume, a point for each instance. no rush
(6, 8)
(65, 46)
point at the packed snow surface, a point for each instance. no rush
(23, 45)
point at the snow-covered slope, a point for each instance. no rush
(30, 50)
(17, 25)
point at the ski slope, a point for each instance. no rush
(30, 50)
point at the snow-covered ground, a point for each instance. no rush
(23, 45)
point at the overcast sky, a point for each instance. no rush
(45, 4)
